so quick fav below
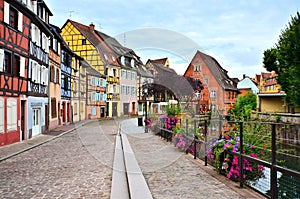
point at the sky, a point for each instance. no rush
(234, 32)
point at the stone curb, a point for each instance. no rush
(119, 188)
(137, 184)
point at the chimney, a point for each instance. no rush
(244, 76)
(92, 27)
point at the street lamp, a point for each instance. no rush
(145, 93)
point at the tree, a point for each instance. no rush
(242, 109)
(284, 59)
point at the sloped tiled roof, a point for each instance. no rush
(159, 61)
(93, 72)
(218, 72)
(160, 68)
(91, 35)
(115, 45)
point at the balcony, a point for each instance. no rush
(112, 80)
(113, 96)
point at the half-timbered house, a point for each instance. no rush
(14, 41)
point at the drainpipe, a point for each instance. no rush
(79, 91)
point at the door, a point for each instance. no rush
(23, 119)
(46, 117)
(133, 108)
(102, 112)
(115, 109)
(58, 111)
(126, 108)
(36, 121)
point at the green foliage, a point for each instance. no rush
(284, 59)
(172, 110)
(242, 109)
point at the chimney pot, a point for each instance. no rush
(92, 26)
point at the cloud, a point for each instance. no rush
(234, 32)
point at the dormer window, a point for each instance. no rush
(113, 58)
(83, 41)
(105, 57)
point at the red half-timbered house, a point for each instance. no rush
(14, 44)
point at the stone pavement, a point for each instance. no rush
(170, 173)
(75, 165)
(14, 149)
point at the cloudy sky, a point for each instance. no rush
(234, 32)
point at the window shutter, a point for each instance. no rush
(104, 83)
(6, 12)
(105, 97)
(46, 75)
(22, 66)
(20, 22)
(32, 32)
(33, 71)
(11, 115)
(38, 73)
(1, 116)
(1, 59)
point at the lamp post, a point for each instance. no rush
(145, 93)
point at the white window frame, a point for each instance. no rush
(1, 59)
(11, 115)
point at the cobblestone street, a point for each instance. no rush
(76, 165)
(171, 174)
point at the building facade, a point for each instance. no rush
(96, 94)
(14, 52)
(54, 78)
(219, 90)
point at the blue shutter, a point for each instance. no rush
(104, 83)
(105, 97)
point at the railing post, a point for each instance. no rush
(205, 144)
(186, 134)
(220, 126)
(240, 154)
(195, 146)
(274, 190)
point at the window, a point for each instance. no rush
(66, 83)
(213, 94)
(16, 66)
(206, 81)
(114, 72)
(114, 88)
(133, 90)
(213, 107)
(92, 81)
(13, 17)
(83, 41)
(94, 111)
(1, 115)
(75, 108)
(11, 115)
(57, 76)
(81, 107)
(197, 68)
(123, 89)
(128, 74)
(52, 74)
(53, 107)
(105, 57)
(7, 62)
(93, 96)
(123, 73)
